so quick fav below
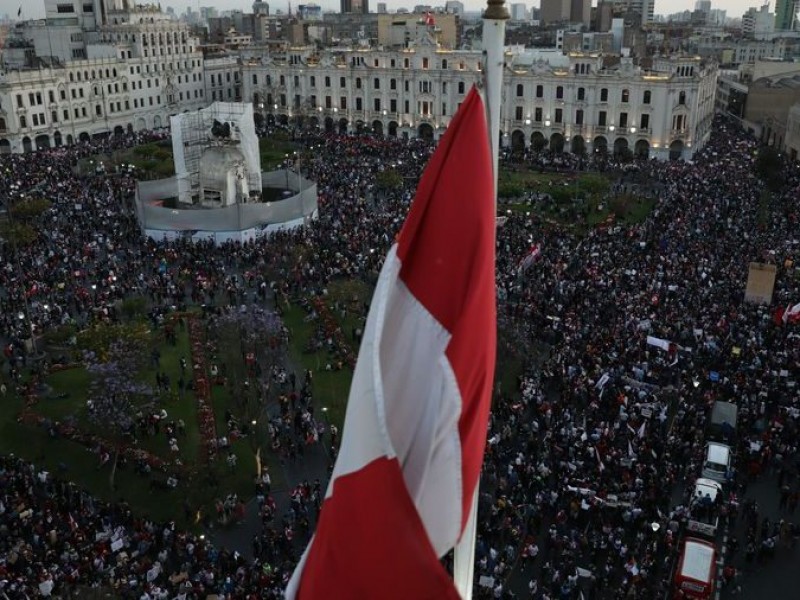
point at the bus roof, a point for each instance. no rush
(698, 558)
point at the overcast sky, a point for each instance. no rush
(35, 8)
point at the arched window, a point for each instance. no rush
(626, 95)
(647, 96)
(682, 98)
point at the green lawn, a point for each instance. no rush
(200, 483)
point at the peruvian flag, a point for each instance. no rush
(791, 314)
(533, 255)
(429, 18)
(415, 429)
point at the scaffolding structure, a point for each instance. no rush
(192, 136)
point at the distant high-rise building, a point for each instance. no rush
(758, 22)
(454, 7)
(260, 8)
(786, 14)
(644, 8)
(519, 12)
(354, 6)
(704, 6)
(382, 8)
(580, 12)
(566, 11)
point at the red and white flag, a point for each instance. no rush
(791, 314)
(533, 255)
(415, 429)
(429, 18)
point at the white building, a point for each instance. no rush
(141, 67)
(758, 23)
(567, 101)
(454, 7)
(519, 12)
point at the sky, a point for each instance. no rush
(33, 9)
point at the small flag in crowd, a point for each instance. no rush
(415, 429)
(530, 258)
(429, 18)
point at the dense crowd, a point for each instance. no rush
(579, 457)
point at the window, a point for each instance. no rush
(313, 81)
(644, 122)
(255, 78)
(31, 99)
(444, 64)
(646, 99)
(581, 93)
(520, 90)
(393, 84)
(560, 92)
(296, 81)
(64, 8)
(444, 87)
(405, 65)
(626, 96)
(327, 81)
(358, 83)
(540, 91)
(328, 102)
(406, 106)
(343, 103)
(393, 105)
(20, 102)
(23, 122)
(604, 95)
(623, 119)
(377, 104)
(559, 115)
(342, 82)
(98, 110)
(35, 120)
(460, 87)
(66, 114)
(51, 96)
(518, 113)
(682, 98)
(54, 116)
(63, 94)
(425, 62)
(579, 117)
(601, 118)
(406, 84)
(376, 84)
(359, 105)
(537, 115)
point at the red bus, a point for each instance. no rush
(696, 574)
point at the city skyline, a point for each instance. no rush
(35, 10)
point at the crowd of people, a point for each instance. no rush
(580, 455)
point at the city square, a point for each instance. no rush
(173, 391)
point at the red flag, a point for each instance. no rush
(417, 414)
(429, 18)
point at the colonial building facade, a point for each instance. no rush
(142, 68)
(567, 102)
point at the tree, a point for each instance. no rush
(17, 234)
(769, 167)
(29, 209)
(388, 179)
(594, 184)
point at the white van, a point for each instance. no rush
(718, 462)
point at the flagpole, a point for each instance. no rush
(494, 33)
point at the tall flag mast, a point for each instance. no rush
(494, 32)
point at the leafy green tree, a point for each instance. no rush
(17, 234)
(29, 209)
(388, 179)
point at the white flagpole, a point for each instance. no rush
(494, 33)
